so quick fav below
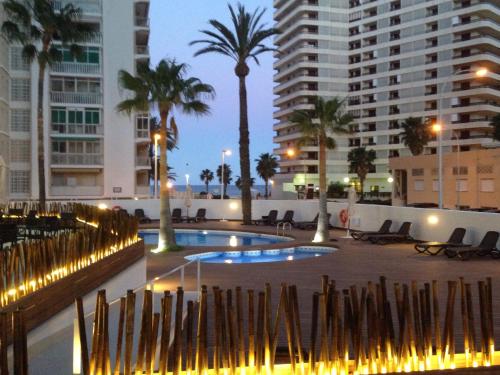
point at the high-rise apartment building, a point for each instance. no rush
(4, 115)
(91, 151)
(390, 60)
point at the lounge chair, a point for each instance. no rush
(455, 240)
(287, 217)
(270, 219)
(8, 234)
(139, 214)
(312, 224)
(68, 221)
(402, 235)
(487, 246)
(176, 215)
(363, 235)
(200, 216)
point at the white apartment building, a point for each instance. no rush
(390, 59)
(91, 151)
(4, 115)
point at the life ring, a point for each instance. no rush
(344, 216)
(117, 208)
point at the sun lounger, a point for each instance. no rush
(434, 248)
(270, 219)
(487, 246)
(8, 234)
(200, 216)
(312, 224)
(176, 215)
(402, 235)
(363, 235)
(287, 217)
(139, 214)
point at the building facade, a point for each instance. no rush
(4, 116)
(390, 60)
(91, 151)
(471, 179)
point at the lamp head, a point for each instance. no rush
(227, 152)
(290, 152)
(157, 137)
(437, 127)
(482, 72)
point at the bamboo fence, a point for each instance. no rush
(28, 266)
(350, 331)
(13, 323)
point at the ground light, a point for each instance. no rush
(433, 219)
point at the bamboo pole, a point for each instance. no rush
(129, 333)
(83, 336)
(241, 333)
(260, 332)
(154, 340)
(177, 352)
(189, 340)
(251, 329)
(437, 329)
(4, 326)
(217, 330)
(314, 333)
(119, 339)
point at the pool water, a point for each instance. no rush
(187, 237)
(262, 256)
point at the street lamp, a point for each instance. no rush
(157, 138)
(439, 126)
(224, 154)
(271, 183)
(187, 180)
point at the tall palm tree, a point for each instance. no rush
(266, 169)
(416, 134)
(228, 172)
(206, 176)
(43, 31)
(172, 140)
(317, 126)
(164, 88)
(360, 162)
(237, 182)
(244, 42)
(495, 124)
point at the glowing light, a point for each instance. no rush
(317, 255)
(102, 206)
(482, 72)
(228, 261)
(227, 152)
(157, 137)
(169, 185)
(433, 219)
(233, 241)
(437, 127)
(390, 180)
(12, 292)
(271, 182)
(233, 206)
(136, 199)
(347, 180)
(205, 232)
(290, 152)
(290, 257)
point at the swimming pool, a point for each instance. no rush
(262, 256)
(190, 237)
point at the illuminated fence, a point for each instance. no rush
(31, 265)
(13, 330)
(351, 331)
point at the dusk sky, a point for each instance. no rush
(174, 24)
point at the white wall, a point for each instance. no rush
(366, 217)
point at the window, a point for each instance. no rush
(17, 61)
(487, 185)
(435, 185)
(418, 185)
(20, 182)
(20, 89)
(484, 169)
(461, 185)
(417, 172)
(142, 130)
(460, 171)
(20, 151)
(89, 55)
(20, 120)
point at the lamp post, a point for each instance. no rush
(224, 154)
(271, 183)
(157, 138)
(439, 126)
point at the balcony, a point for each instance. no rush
(81, 191)
(76, 68)
(87, 6)
(77, 159)
(141, 50)
(143, 190)
(143, 161)
(141, 21)
(77, 129)
(76, 98)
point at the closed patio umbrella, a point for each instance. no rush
(352, 199)
(188, 199)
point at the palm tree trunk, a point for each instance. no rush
(322, 233)
(266, 186)
(206, 186)
(246, 197)
(40, 136)
(166, 236)
(362, 187)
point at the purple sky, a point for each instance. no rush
(174, 24)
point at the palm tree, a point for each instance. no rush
(495, 124)
(172, 140)
(206, 176)
(166, 89)
(227, 176)
(361, 162)
(316, 125)
(43, 31)
(245, 41)
(416, 134)
(237, 182)
(266, 169)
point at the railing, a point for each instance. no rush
(143, 161)
(141, 133)
(142, 21)
(77, 129)
(75, 67)
(77, 159)
(76, 97)
(87, 6)
(141, 50)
